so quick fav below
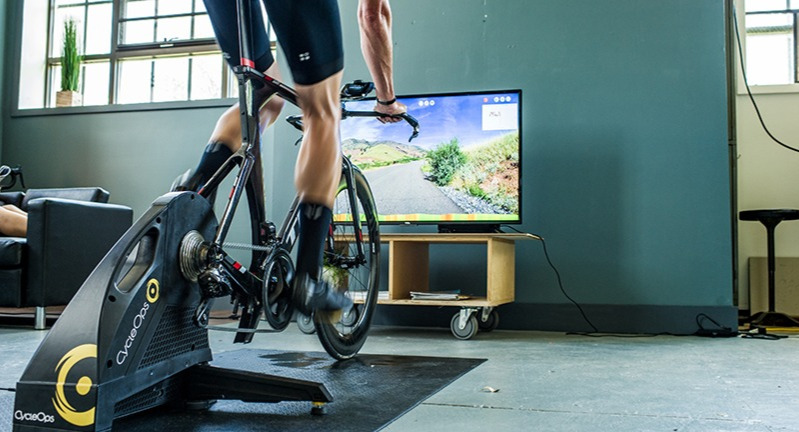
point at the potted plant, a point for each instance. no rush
(70, 67)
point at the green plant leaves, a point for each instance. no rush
(70, 57)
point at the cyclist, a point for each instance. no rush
(310, 34)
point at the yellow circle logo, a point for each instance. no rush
(83, 386)
(153, 290)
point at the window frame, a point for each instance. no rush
(117, 52)
(741, 13)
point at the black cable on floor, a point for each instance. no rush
(717, 331)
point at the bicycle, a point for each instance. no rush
(351, 255)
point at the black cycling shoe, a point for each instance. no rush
(311, 295)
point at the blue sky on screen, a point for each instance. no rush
(441, 118)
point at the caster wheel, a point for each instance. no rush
(349, 318)
(318, 409)
(491, 322)
(305, 323)
(468, 331)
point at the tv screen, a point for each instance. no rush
(464, 167)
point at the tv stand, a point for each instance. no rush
(409, 270)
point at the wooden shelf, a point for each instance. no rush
(409, 267)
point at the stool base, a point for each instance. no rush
(772, 319)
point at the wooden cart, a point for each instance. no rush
(409, 270)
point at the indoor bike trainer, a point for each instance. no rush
(129, 340)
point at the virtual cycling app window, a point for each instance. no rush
(463, 167)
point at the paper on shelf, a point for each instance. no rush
(437, 295)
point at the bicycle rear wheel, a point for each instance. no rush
(351, 264)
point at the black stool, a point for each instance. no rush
(770, 219)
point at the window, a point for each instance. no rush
(771, 41)
(135, 51)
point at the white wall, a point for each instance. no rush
(768, 174)
(768, 177)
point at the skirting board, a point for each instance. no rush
(567, 318)
(786, 285)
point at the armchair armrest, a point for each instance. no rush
(66, 241)
(12, 198)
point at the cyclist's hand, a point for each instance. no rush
(395, 108)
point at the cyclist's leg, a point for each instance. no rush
(318, 165)
(310, 34)
(316, 178)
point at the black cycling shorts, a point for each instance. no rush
(309, 31)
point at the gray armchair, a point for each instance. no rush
(69, 232)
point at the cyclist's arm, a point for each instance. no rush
(374, 19)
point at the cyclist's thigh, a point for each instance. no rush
(309, 31)
(225, 23)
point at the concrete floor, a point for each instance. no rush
(557, 382)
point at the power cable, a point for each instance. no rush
(560, 281)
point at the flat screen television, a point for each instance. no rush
(462, 172)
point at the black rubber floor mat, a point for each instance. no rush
(368, 392)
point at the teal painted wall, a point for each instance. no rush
(625, 141)
(3, 64)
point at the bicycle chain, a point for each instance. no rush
(246, 246)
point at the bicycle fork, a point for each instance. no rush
(349, 184)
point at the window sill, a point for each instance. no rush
(98, 109)
(769, 89)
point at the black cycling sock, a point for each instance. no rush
(314, 224)
(213, 157)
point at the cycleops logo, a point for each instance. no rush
(153, 292)
(82, 387)
(36, 417)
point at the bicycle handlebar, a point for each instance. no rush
(296, 120)
(405, 116)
